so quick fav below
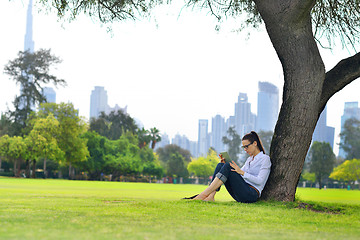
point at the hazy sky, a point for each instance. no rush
(170, 70)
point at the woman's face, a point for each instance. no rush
(249, 147)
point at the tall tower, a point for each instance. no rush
(203, 142)
(98, 102)
(268, 107)
(218, 131)
(244, 118)
(28, 45)
(29, 42)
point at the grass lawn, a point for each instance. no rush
(63, 209)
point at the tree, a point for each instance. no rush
(322, 161)
(113, 125)
(143, 137)
(4, 147)
(154, 136)
(351, 138)
(17, 152)
(174, 159)
(233, 143)
(31, 71)
(348, 171)
(294, 28)
(42, 141)
(204, 167)
(5, 125)
(71, 127)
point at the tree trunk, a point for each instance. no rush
(0, 162)
(33, 175)
(290, 30)
(45, 172)
(15, 167)
(27, 170)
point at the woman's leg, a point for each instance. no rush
(236, 185)
(211, 196)
(215, 184)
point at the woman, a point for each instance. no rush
(243, 184)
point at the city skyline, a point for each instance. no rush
(169, 85)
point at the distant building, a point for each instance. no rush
(244, 118)
(181, 141)
(98, 102)
(351, 110)
(49, 94)
(218, 131)
(203, 140)
(322, 132)
(164, 141)
(28, 44)
(267, 107)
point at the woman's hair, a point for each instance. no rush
(252, 137)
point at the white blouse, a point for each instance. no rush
(257, 170)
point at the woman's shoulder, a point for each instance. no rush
(265, 157)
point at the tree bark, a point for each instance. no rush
(33, 174)
(290, 30)
(45, 172)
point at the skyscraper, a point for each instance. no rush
(218, 131)
(268, 107)
(351, 110)
(203, 143)
(29, 43)
(49, 94)
(98, 102)
(244, 118)
(322, 132)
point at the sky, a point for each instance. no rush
(170, 70)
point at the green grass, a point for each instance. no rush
(62, 209)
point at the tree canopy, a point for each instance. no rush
(31, 71)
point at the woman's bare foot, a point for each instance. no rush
(211, 197)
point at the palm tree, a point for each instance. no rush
(155, 136)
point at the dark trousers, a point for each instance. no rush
(235, 184)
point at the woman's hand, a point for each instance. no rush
(236, 168)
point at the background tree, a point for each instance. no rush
(42, 139)
(293, 27)
(174, 159)
(5, 125)
(233, 142)
(113, 125)
(322, 161)
(71, 127)
(143, 137)
(348, 171)
(4, 147)
(351, 138)
(154, 136)
(31, 71)
(17, 152)
(204, 167)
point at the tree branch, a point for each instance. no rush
(346, 71)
